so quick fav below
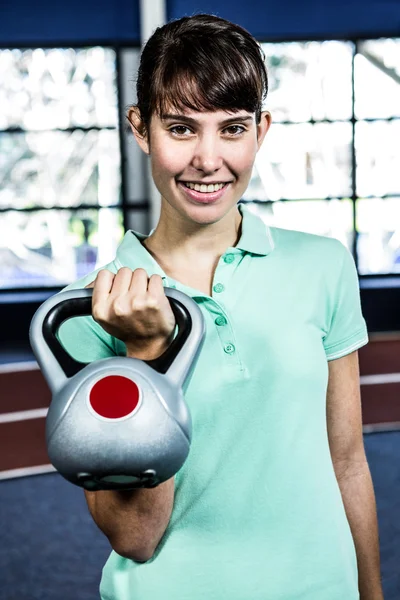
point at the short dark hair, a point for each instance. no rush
(202, 62)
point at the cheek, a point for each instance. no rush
(167, 160)
(243, 159)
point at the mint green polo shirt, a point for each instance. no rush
(258, 513)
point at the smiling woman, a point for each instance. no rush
(202, 125)
(256, 510)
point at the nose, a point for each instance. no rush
(207, 156)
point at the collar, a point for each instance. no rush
(256, 239)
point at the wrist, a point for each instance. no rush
(147, 350)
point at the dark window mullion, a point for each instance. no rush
(139, 206)
(124, 195)
(19, 130)
(332, 121)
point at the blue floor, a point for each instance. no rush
(15, 353)
(52, 550)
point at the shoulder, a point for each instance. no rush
(304, 246)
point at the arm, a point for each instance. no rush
(134, 521)
(136, 310)
(345, 434)
(358, 496)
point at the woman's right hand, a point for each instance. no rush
(134, 308)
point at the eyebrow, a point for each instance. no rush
(172, 117)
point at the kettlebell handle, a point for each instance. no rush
(76, 307)
(57, 365)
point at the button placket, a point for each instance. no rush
(227, 258)
(226, 335)
(231, 356)
(223, 327)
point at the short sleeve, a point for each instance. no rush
(85, 340)
(348, 330)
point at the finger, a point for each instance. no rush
(103, 286)
(156, 292)
(122, 281)
(155, 286)
(139, 282)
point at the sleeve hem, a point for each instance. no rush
(339, 353)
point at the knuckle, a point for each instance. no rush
(153, 303)
(119, 308)
(139, 304)
(98, 313)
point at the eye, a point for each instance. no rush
(235, 130)
(179, 130)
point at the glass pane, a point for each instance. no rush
(377, 79)
(378, 247)
(136, 167)
(304, 161)
(331, 218)
(309, 80)
(59, 168)
(378, 158)
(58, 88)
(56, 247)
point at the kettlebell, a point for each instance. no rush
(117, 423)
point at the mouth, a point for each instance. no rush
(205, 187)
(204, 193)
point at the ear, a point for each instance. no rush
(263, 127)
(136, 125)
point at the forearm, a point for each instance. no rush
(357, 491)
(133, 521)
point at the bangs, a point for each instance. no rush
(201, 80)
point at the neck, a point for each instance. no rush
(180, 240)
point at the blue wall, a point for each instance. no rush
(271, 19)
(46, 22)
(71, 21)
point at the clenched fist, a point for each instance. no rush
(134, 308)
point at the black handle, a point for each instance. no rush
(76, 307)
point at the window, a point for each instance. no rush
(330, 163)
(60, 164)
(72, 177)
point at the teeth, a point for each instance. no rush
(205, 188)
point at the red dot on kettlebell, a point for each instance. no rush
(114, 397)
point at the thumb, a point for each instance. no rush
(90, 285)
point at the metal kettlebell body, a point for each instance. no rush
(117, 423)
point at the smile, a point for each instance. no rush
(201, 193)
(211, 187)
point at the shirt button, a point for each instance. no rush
(229, 348)
(218, 287)
(220, 321)
(229, 258)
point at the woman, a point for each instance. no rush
(255, 512)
